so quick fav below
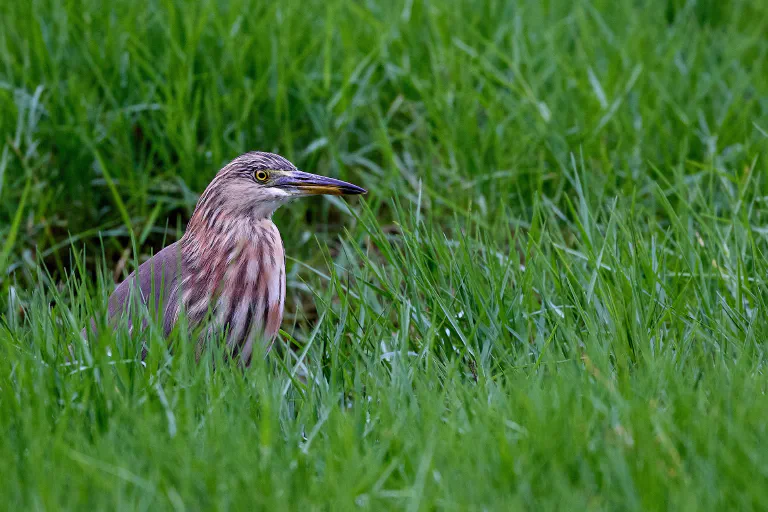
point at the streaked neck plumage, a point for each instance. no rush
(234, 268)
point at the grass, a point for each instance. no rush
(555, 295)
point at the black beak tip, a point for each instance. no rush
(348, 189)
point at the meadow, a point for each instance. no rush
(554, 296)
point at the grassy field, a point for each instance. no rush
(555, 295)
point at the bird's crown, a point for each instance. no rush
(255, 160)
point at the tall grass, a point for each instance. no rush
(553, 297)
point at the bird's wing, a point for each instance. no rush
(156, 279)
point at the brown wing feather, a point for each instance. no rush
(157, 280)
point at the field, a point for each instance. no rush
(554, 296)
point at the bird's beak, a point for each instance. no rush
(308, 184)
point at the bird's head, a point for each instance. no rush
(257, 183)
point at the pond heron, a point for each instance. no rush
(229, 266)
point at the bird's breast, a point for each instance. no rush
(244, 287)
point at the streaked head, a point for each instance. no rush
(258, 183)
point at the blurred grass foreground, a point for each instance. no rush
(554, 296)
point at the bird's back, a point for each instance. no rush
(153, 284)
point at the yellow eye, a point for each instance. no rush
(261, 176)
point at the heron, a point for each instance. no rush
(226, 274)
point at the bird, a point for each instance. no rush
(226, 274)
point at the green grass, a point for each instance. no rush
(555, 295)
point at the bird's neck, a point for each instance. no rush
(236, 268)
(215, 238)
(218, 219)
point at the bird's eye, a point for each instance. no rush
(261, 176)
